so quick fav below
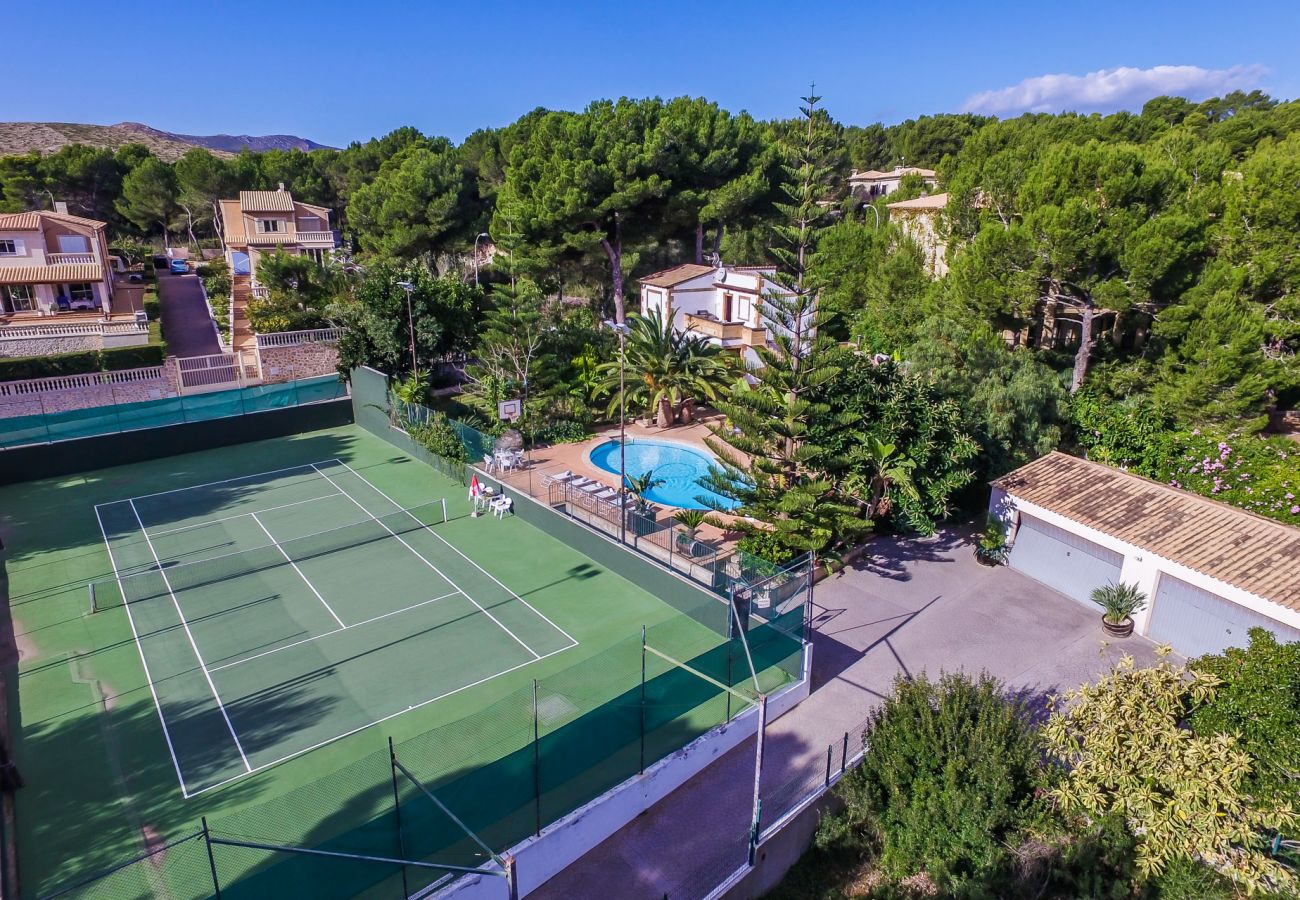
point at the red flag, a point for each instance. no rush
(474, 487)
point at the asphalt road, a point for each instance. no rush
(186, 324)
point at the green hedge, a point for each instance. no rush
(133, 357)
(82, 362)
(153, 308)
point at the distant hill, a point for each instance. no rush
(49, 137)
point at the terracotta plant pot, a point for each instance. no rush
(1122, 630)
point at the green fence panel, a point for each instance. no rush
(22, 430)
(75, 423)
(151, 413)
(315, 390)
(268, 396)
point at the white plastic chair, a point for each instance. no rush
(501, 506)
(488, 463)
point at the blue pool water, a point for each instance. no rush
(680, 467)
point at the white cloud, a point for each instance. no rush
(1108, 90)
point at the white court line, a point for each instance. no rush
(339, 737)
(458, 552)
(195, 487)
(207, 522)
(422, 559)
(289, 559)
(143, 662)
(190, 635)
(317, 637)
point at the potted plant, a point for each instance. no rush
(690, 520)
(992, 548)
(1118, 602)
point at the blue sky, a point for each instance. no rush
(337, 72)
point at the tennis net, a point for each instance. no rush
(174, 576)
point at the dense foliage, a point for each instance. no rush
(948, 779)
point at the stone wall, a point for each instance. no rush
(48, 346)
(281, 364)
(85, 397)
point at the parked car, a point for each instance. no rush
(179, 267)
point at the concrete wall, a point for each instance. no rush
(1141, 566)
(298, 361)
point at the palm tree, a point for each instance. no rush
(666, 369)
(639, 486)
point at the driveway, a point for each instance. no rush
(186, 324)
(915, 605)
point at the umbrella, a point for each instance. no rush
(510, 439)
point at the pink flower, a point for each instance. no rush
(1295, 510)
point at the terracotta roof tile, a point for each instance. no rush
(676, 275)
(933, 201)
(1258, 555)
(266, 201)
(31, 220)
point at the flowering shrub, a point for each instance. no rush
(1261, 475)
(1258, 474)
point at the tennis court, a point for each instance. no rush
(275, 613)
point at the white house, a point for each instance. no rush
(919, 219)
(871, 184)
(719, 303)
(1210, 571)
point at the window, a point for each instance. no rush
(8, 247)
(81, 293)
(17, 298)
(309, 223)
(73, 243)
(269, 226)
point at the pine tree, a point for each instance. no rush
(764, 450)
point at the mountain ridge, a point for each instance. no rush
(50, 137)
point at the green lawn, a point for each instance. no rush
(101, 783)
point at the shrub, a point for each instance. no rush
(1258, 699)
(948, 778)
(49, 366)
(133, 357)
(992, 545)
(561, 431)
(438, 437)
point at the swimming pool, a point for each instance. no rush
(679, 466)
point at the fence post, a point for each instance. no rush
(512, 877)
(830, 751)
(729, 680)
(642, 771)
(212, 860)
(397, 812)
(756, 827)
(844, 754)
(537, 767)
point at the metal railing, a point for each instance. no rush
(84, 380)
(219, 371)
(292, 338)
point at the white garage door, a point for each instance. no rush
(1195, 622)
(1065, 561)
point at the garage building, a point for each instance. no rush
(1210, 571)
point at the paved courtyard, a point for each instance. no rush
(912, 606)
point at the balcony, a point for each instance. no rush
(729, 334)
(58, 259)
(316, 237)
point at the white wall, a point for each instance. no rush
(1141, 567)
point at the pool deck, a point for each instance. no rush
(573, 457)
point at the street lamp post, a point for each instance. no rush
(476, 240)
(622, 331)
(410, 322)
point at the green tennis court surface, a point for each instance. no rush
(310, 587)
(271, 614)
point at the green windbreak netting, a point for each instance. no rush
(64, 425)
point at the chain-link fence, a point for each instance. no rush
(45, 418)
(456, 798)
